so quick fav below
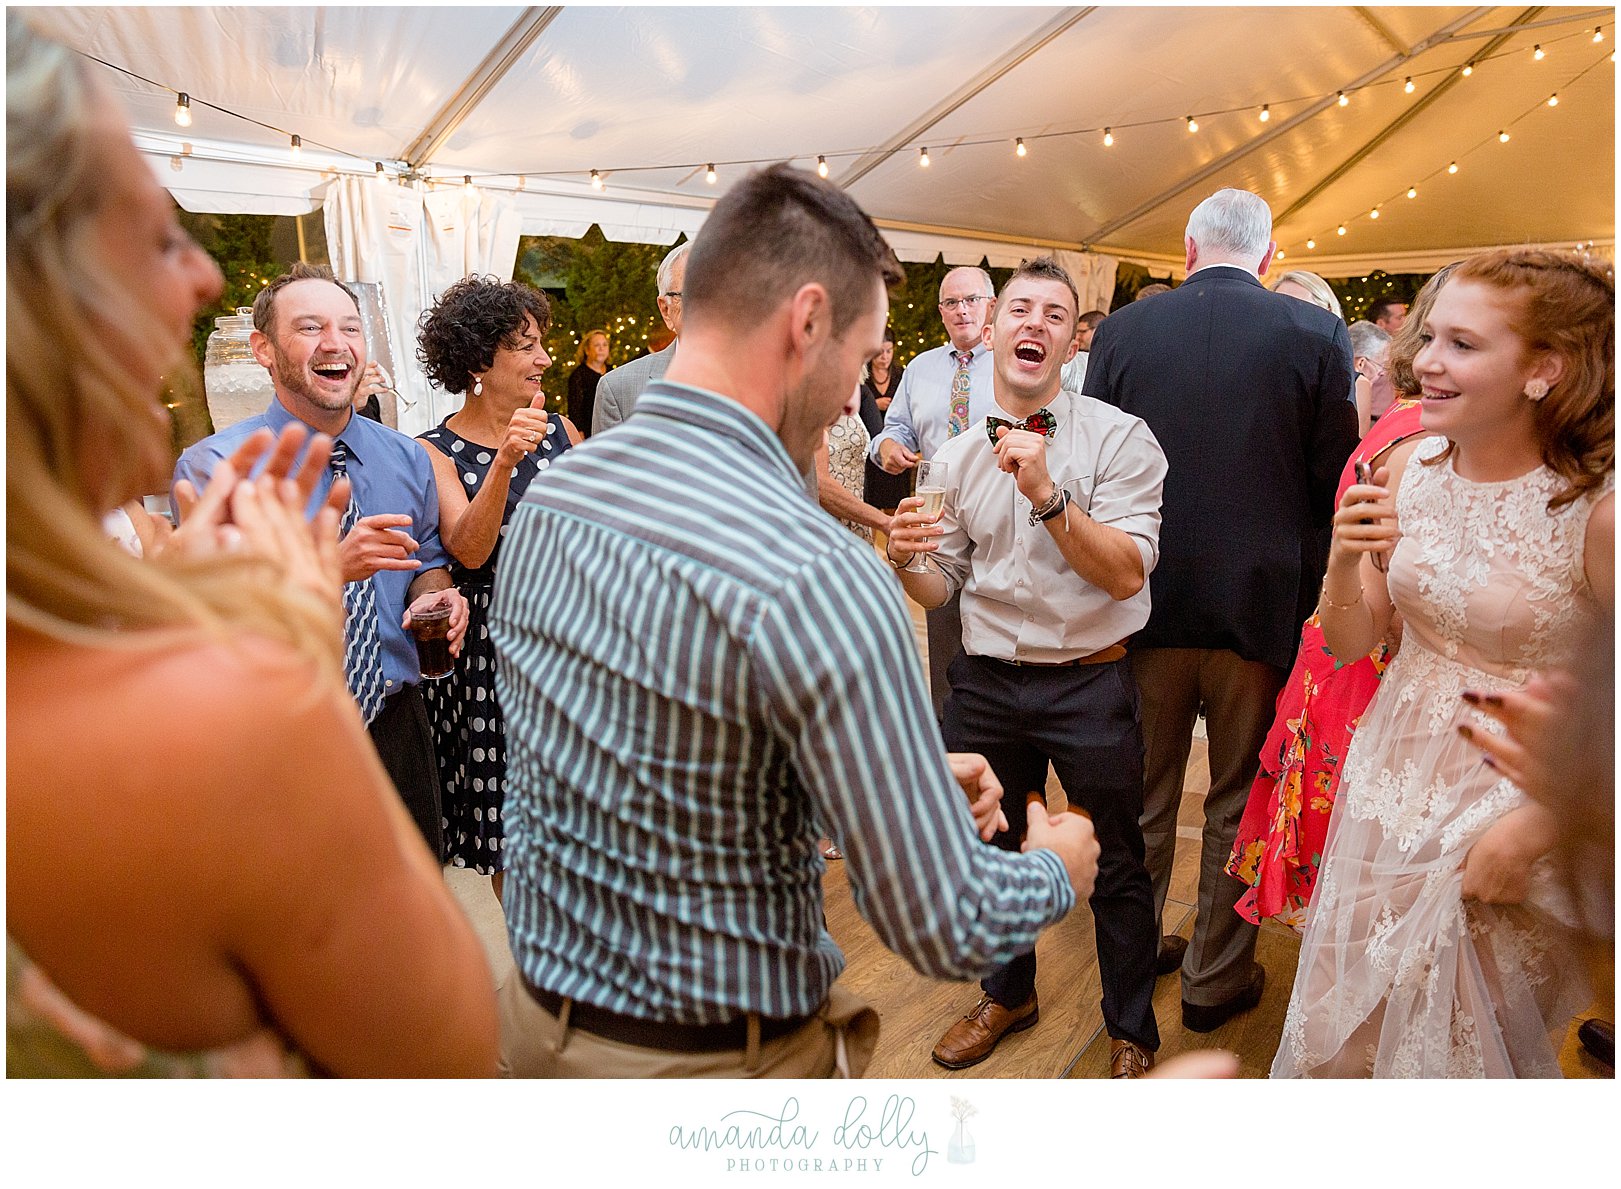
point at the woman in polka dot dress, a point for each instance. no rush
(482, 338)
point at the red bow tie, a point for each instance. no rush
(1041, 421)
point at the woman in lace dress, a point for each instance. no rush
(1437, 943)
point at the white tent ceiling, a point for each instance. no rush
(647, 96)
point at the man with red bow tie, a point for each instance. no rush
(1050, 530)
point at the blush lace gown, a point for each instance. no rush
(1399, 976)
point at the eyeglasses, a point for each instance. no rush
(952, 304)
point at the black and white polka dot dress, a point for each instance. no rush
(469, 732)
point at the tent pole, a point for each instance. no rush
(1276, 130)
(991, 74)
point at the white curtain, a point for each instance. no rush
(1094, 277)
(414, 246)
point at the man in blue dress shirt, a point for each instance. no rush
(307, 332)
(943, 392)
(703, 673)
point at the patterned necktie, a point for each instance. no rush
(362, 642)
(958, 421)
(1041, 421)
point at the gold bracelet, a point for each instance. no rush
(1331, 604)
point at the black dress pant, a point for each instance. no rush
(1084, 720)
(404, 743)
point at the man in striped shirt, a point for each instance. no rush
(702, 673)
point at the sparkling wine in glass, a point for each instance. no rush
(931, 488)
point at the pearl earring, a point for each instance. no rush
(478, 386)
(1536, 389)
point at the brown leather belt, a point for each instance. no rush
(653, 1034)
(1101, 657)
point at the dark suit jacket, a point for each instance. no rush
(1249, 394)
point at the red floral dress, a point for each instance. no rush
(1280, 839)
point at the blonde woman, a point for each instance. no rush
(1308, 286)
(208, 872)
(590, 365)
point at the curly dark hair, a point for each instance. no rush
(472, 320)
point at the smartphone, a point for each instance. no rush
(1364, 474)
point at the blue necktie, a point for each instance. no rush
(362, 642)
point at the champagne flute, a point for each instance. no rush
(931, 487)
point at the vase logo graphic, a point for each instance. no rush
(960, 1150)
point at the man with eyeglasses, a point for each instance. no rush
(617, 392)
(1370, 348)
(944, 392)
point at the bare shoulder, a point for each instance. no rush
(1396, 461)
(1599, 551)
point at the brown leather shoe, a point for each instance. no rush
(971, 1039)
(1127, 1060)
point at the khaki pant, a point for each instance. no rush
(838, 1041)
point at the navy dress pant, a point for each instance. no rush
(1084, 719)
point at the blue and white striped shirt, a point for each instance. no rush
(701, 671)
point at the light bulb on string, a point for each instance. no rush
(1536, 53)
(1374, 213)
(1341, 230)
(1412, 191)
(821, 166)
(1468, 69)
(1453, 168)
(296, 146)
(1553, 100)
(1408, 86)
(1310, 244)
(1266, 112)
(1108, 138)
(1598, 35)
(182, 110)
(1345, 100)
(923, 157)
(596, 180)
(709, 173)
(467, 181)
(1193, 125)
(1281, 253)
(1502, 137)
(1018, 146)
(381, 175)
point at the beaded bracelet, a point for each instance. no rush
(1332, 605)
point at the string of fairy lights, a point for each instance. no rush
(1109, 135)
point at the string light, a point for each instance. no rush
(1281, 253)
(1453, 168)
(297, 146)
(467, 181)
(923, 157)
(1408, 87)
(1266, 112)
(1598, 35)
(1193, 125)
(709, 173)
(1310, 244)
(182, 110)
(1374, 213)
(1412, 191)
(821, 166)
(1342, 229)
(1468, 69)
(596, 180)
(380, 175)
(1018, 146)
(1553, 100)
(1108, 138)
(1345, 100)
(1536, 54)
(1502, 137)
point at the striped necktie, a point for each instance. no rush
(362, 642)
(958, 421)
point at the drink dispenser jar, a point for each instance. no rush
(237, 385)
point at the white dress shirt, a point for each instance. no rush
(919, 416)
(1074, 373)
(1021, 600)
